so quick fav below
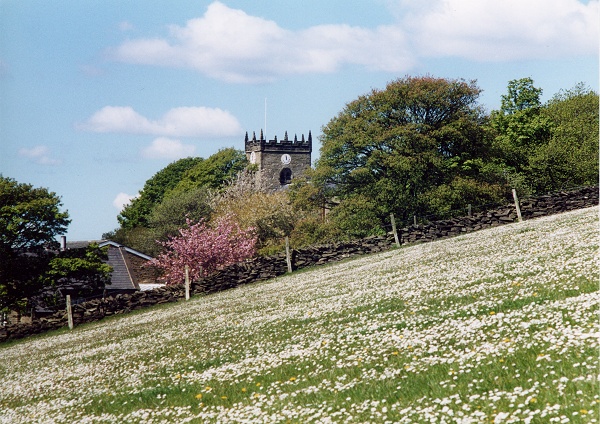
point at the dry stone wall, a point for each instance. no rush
(264, 268)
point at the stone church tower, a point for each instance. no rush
(279, 161)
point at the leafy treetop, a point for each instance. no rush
(29, 217)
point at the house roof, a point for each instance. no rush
(103, 243)
(123, 276)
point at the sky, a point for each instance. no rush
(98, 96)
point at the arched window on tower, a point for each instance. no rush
(285, 176)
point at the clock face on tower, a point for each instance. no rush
(286, 159)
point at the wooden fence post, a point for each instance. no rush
(470, 209)
(514, 193)
(396, 239)
(69, 312)
(288, 255)
(187, 282)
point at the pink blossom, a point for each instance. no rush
(204, 249)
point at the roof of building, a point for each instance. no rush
(123, 276)
(103, 243)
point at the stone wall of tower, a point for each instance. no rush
(278, 160)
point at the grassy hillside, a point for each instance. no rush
(495, 326)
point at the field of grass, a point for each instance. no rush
(495, 326)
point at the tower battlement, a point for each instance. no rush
(275, 145)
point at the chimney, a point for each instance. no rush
(63, 243)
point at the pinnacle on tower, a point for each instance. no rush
(285, 137)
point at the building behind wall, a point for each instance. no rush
(279, 161)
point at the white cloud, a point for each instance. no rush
(230, 45)
(491, 30)
(166, 148)
(40, 155)
(123, 199)
(177, 122)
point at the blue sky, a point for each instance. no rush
(98, 96)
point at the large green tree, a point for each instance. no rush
(30, 220)
(30, 217)
(30, 264)
(137, 213)
(570, 156)
(520, 129)
(214, 172)
(389, 150)
(544, 147)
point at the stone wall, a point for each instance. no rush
(264, 268)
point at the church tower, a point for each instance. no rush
(279, 161)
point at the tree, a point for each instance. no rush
(136, 213)
(248, 200)
(547, 147)
(30, 220)
(520, 128)
(214, 172)
(77, 272)
(143, 221)
(390, 148)
(570, 156)
(204, 249)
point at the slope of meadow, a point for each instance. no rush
(495, 326)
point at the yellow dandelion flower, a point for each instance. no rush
(244, 390)
(208, 388)
(395, 353)
(292, 378)
(492, 313)
(223, 397)
(533, 400)
(199, 396)
(257, 384)
(583, 411)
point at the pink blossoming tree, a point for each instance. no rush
(204, 249)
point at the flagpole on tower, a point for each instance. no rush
(266, 134)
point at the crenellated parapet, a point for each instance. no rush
(275, 145)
